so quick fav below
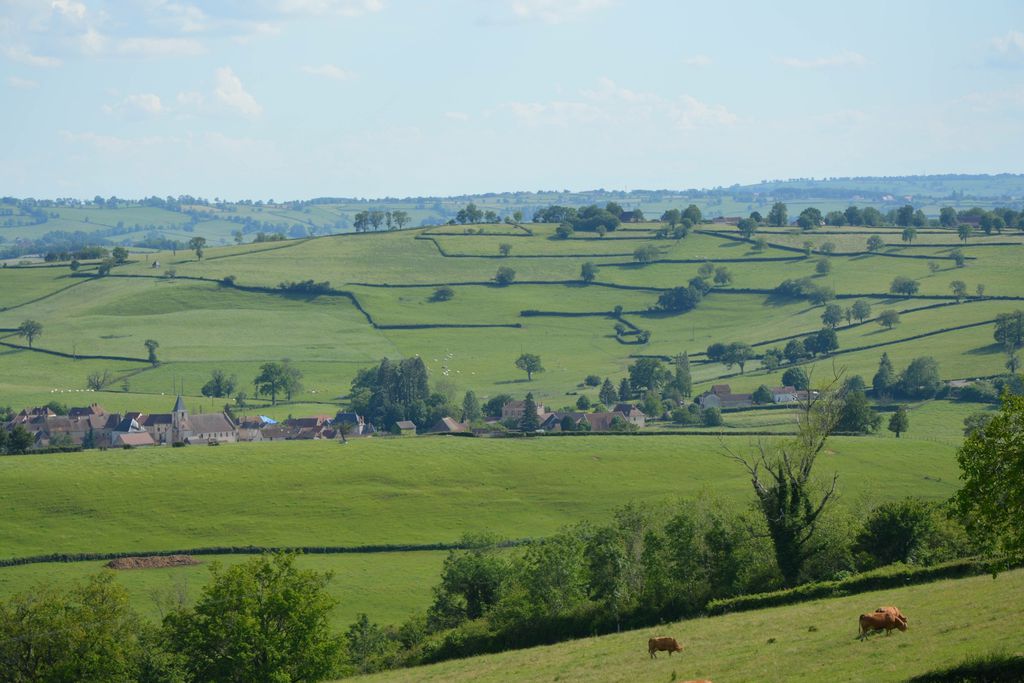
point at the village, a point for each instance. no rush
(93, 426)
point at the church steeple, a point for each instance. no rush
(179, 421)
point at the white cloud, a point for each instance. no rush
(21, 83)
(159, 47)
(555, 11)
(145, 102)
(698, 60)
(613, 105)
(1009, 49)
(190, 99)
(839, 59)
(22, 55)
(460, 116)
(70, 8)
(335, 73)
(230, 91)
(688, 112)
(189, 18)
(345, 8)
(112, 143)
(93, 42)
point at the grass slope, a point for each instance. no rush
(396, 491)
(815, 641)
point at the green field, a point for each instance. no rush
(950, 621)
(329, 339)
(383, 491)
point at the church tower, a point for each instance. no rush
(180, 429)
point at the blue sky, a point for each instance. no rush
(293, 99)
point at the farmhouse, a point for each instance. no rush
(633, 415)
(721, 397)
(514, 410)
(448, 425)
(406, 427)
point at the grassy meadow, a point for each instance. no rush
(329, 339)
(811, 641)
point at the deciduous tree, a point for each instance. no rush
(529, 363)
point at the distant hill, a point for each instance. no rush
(30, 225)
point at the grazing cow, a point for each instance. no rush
(661, 644)
(876, 621)
(894, 611)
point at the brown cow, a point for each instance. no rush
(876, 621)
(662, 643)
(894, 611)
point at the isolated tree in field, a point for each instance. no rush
(737, 353)
(471, 407)
(827, 248)
(888, 318)
(905, 286)
(778, 216)
(30, 330)
(530, 421)
(809, 218)
(875, 243)
(376, 219)
(119, 254)
(747, 228)
(921, 378)
(645, 255)
(964, 232)
(823, 267)
(262, 620)
(277, 378)
(692, 213)
(832, 316)
(885, 379)
(861, 310)
(444, 293)
(608, 395)
(504, 248)
(722, 276)
(856, 415)
(706, 270)
(788, 497)
(933, 267)
(672, 217)
(588, 271)
(899, 422)
(979, 291)
(948, 217)
(1009, 330)
(808, 248)
(959, 289)
(909, 234)
(219, 385)
(400, 218)
(505, 276)
(959, 259)
(992, 499)
(529, 363)
(151, 346)
(904, 215)
(683, 380)
(197, 244)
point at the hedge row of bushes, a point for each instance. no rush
(247, 550)
(893, 576)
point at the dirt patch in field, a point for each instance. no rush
(152, 562)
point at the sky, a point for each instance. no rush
(294, 99)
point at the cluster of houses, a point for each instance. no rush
(94, 427)
(721, 396)
(553, 421)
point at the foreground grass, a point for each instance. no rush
(813, 641)
(397, 491)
